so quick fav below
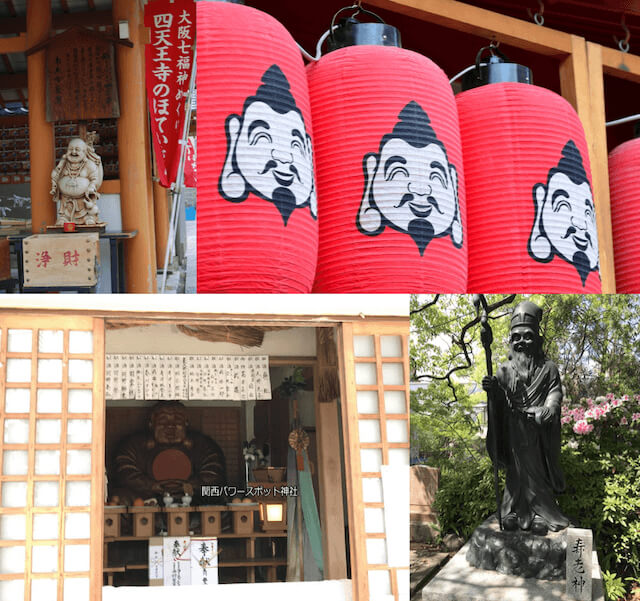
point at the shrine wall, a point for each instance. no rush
(167, 339)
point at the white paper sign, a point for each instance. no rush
(177, 560)
(204, 561)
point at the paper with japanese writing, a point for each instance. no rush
(204, 561)
(177, 560)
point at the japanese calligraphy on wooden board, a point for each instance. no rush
(81, 76)
(61, 260)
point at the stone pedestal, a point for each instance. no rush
(459, 581)
(518, 553)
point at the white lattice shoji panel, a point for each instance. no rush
(44, 558)
(76, 558)
(50, 341)
(79, 400)
(19, 341)
(76, 588)
(46, 494)
(17, 400)
(13, 526)
(14, 494)
(367, 401)
(49, 400)
(391, 346)
(45, 526)
(12, 560)
(80, 342)
(363, 346)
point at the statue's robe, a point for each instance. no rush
(529, 451)
(134, 461)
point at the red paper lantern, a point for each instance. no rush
(257, 223)
(624, 177)
(530, 210)
(389, 172)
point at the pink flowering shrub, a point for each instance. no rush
(598, 416)
(601, 462)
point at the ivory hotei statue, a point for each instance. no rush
(524, 432)
(168, 458)
(75, 182)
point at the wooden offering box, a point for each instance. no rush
(242, 517)
(211, 519)
(178, 520)
(143, 521)
(112, 519)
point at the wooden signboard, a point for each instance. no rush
(61, 260)
(81, 77)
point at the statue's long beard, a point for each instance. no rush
(523, 366)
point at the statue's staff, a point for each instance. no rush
(486, 337)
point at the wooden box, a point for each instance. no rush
(112, 520)
(243, 517)
(61, 260)
(178, 520)
(211, 519)
(143, 521)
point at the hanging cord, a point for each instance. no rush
(318, 54)
(623, 120)
(459, 75)
(177, 188)
(623, 45)
(493, 45)
(537, 17)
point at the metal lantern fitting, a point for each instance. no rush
(351, 32)
(498, 70)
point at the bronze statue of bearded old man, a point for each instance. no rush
(524, 434)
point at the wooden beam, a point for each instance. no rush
(64, 20)
(599, 166)
(15, 44)
(483, 23)
(41, 135)
(330, 481)
(13, 81)
(620, 64)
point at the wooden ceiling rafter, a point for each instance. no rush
(11, 8)
(20, 81)
(60, 21)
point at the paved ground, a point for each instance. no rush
(425, 558)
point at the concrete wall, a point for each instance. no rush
(423, 486)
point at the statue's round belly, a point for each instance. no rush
(71, 186)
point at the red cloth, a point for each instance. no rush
(168, 60)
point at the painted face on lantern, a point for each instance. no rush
(410, 185)
(269, 151)
(565, 221)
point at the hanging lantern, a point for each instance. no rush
(624, 170)
(257, 222)
(388, 167)
(530, 208)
